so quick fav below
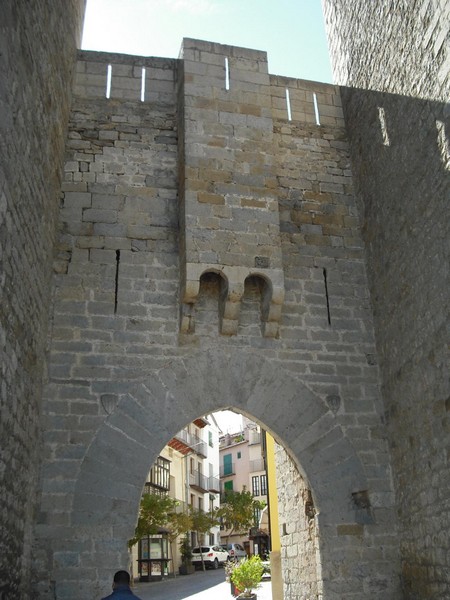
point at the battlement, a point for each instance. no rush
(124, 77)
(153, 79)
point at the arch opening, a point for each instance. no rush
(209, 307)
(107, 485)
(199, 467)
(256, 302)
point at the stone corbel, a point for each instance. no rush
(230, 307)
(232, 291)
(272, 304)
(188, 299)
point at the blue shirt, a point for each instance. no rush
(121, 592)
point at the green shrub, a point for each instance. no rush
(247, 575)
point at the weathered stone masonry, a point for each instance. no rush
(38, 43)
(402, 70)
(298, 529)
(281, 329)
(271, 212)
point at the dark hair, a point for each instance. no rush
(122, 577)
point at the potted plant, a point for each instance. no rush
(186, 567)
(229, 568)
(246, 576)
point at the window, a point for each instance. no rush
(256, 516)
(239, 455)
(160, 474)
(210, 438)
(263, 485)
(255, 485)
(227, 464)
(228, 486)
(200, 504)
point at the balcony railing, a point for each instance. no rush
(213, 484)
(198, 481)
(185, 441)
(226, 470)
(254, 437)
(257, 465)
(232, 439)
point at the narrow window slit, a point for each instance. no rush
(108, 81)
(316, 108)
(143, 85)
(227, 74)
(443, 144)
(288, 105)
(383, 125)
(325, 280)
(116, 285)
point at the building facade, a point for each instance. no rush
(187, 470)
(242, 468)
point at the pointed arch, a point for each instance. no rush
(113, 471)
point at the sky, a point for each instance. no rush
(228, 421)
(290, 31)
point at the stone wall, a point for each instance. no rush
(125, 374)
(116, 277)
(37, 49)
(300, 557)
(401, 47)
(396, 58)
(126, 371)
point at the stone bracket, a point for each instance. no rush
(231, 297)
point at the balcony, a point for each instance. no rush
(232, 439)
(227, 470)
(214, 484)
(186, 442)
(199, 482)
(201, 422)
(257, 465)
(254, 437)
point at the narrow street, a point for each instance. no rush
(208, 585)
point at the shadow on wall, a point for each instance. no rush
(401, 161)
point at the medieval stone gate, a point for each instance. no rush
(208, 229)
(209, 256)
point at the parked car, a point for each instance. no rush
(213, 556)
(235, 551)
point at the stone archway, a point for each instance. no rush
(112, 472)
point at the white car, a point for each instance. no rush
(213, 556)
(235, 551)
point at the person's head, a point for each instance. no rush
(121, 578)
